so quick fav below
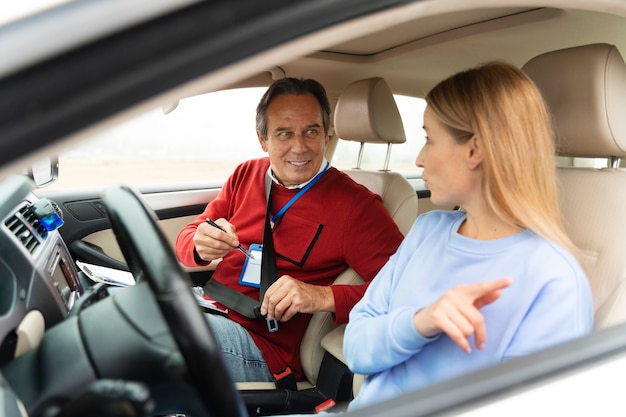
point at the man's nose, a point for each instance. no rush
(299, 143)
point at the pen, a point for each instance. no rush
(241, 248)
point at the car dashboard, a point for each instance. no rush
(37, 274)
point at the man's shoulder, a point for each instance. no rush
(343, 183)
(257, 163)
(251, 166)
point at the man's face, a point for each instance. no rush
(296, 141)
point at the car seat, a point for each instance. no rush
(585, 90)
(366, 112)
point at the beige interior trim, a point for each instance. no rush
(105, 239)
(30, 332)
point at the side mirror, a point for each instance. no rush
(45, 171)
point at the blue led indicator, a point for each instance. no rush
(51, 222)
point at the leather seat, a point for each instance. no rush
(366, 112)
(585, 90)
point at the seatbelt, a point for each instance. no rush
(269, 270)
(241, 303)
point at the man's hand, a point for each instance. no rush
(288, 296)
(457, 313)
(212, 243)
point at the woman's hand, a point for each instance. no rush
(457, 313)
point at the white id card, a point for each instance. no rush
(251, 272)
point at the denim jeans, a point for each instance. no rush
(241, 355)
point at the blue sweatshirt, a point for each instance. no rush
(549, 302)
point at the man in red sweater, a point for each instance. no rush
(322, 223)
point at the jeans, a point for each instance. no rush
(241, 355)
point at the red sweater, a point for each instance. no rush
(335, 224)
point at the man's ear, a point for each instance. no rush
(474, 152)
(262, 141)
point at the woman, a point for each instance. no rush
(495, 280)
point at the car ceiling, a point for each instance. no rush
(415, 54)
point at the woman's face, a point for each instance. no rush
(449, 166)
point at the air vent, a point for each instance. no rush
(26, 227)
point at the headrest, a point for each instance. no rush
(367, 112)
(585, 90)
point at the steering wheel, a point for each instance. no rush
(148, 255)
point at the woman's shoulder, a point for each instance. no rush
(554, 265)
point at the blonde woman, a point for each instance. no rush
(496, 280)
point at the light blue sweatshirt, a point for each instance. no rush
(549, 302)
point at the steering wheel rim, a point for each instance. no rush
(148, 253)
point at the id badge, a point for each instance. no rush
(251, 272)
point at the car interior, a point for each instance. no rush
(585, 88)
(71, 347)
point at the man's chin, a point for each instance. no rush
(297, 179)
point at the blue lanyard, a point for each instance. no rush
(297, 196)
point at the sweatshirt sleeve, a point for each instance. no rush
(377, 337)
(561, 311)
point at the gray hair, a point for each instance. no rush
(295, 86)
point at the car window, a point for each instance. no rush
(204, 138)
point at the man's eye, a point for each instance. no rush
(284, 135)
(311, 132)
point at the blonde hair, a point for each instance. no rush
(499, 105)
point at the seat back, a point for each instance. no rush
(366, 112)
(585, 90)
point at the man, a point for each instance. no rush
(322, 222)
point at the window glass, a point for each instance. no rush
(204, 138)
(403, 156)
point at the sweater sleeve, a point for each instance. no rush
(185, 249)
(390, 334)
(346, 296)
(219, 207)
(371, 236)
